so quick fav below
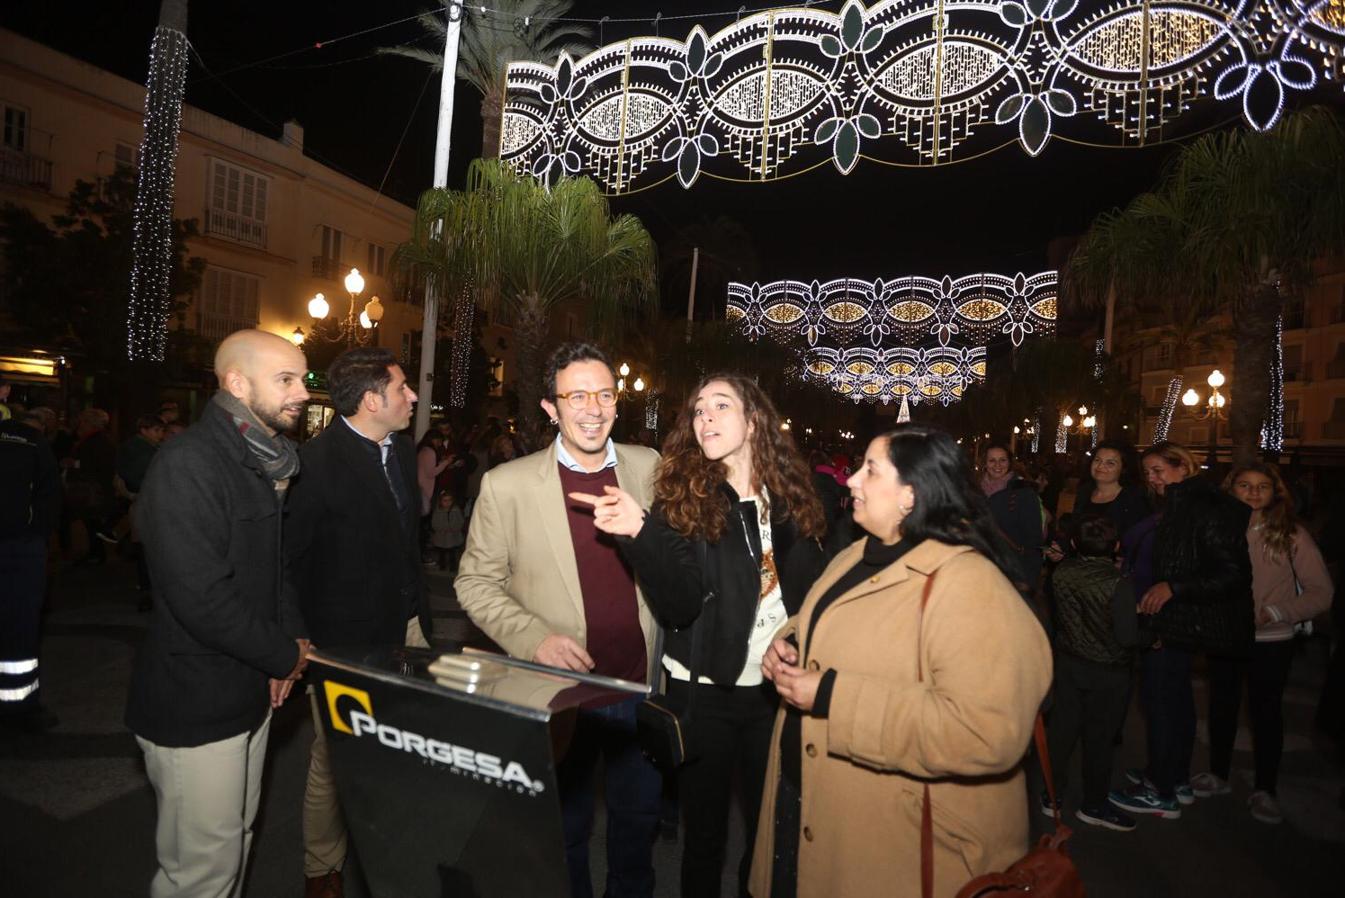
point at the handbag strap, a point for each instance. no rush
(926, 816)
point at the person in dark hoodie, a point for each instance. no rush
(1017, 512)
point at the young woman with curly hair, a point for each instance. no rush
(1289, 584)
(724, 557)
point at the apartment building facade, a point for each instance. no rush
(1314, 373)
(276, 226)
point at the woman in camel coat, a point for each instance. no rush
(860, 733)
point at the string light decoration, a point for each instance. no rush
(1061, 437)
(939, 373)
(976, 309)
(1272, 429)
(464, 311)
(904, 413)
(651, 411)
(1036, 435)
(908, 82)
(1166, 411)
(152, 222)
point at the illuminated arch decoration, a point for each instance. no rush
(938, 374)
(908, 82)
(975, 309)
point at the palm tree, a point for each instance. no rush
(1275, 205)
(1236, 222)
(513, 31)
(527, 249)
(1131, 255)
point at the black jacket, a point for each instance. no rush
(223, 623)
(354, 558)
(674, 584)
(1201, 552)
(30, 484)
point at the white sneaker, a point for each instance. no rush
(1207, 785)
(1265, 807)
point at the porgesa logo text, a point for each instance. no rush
(476, 764)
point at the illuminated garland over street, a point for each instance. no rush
(909, 310)
(909, 82)
(152, 231)
(940, 373)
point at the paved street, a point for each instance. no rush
(77, 814)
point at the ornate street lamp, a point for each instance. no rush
(1212, 411)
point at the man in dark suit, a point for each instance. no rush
(353, 547)
(225, 641)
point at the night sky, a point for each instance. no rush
(997, 213)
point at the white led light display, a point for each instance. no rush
(975, 309)
(152, 222)
(909, 82)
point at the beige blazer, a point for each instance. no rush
(518, 580)
(962, 730)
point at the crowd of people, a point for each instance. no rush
(858, 647)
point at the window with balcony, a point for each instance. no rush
(377, 258)
(1293, 427)
(18, 165)
(236, 203)
(1336, 367)
(16, 128)
(126, 156)
(1157, 357)
(327, 263)
(1293, 362)
(1334, 429)
(228, 302)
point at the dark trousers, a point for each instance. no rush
(1089, 705)
(448, 558)
(23, 573)
(1170, 711)
(633, 791)
(729, 742)
(1266, 673)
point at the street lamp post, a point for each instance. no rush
(1213, 411)
(353, 330)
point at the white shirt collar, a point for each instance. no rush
(383, 444)
(565, 458)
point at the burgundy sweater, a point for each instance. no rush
(615, 640)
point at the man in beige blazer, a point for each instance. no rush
(539, 579)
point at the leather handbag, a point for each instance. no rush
(1045, 870)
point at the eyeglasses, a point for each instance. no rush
(578, 399)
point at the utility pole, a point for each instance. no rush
(430, 325)
(691, 293)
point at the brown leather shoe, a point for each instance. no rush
(326, 886)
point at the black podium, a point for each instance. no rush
(448, 782)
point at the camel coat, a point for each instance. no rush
(964, 730)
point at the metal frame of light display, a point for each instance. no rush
(909, 82)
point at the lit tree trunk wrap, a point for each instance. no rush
(152, 239)
(1253, 354)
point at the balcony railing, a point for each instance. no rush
(1335, 368)
(220, 223)
(25, 169)
(328, 269)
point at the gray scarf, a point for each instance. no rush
(277, 456)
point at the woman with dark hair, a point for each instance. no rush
(1112, 489)
(1290, 584)
(724, 557)
(1194, 578)
(913, 663)
(1017, 511)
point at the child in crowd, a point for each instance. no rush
(1095, 627)
(448, 529)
